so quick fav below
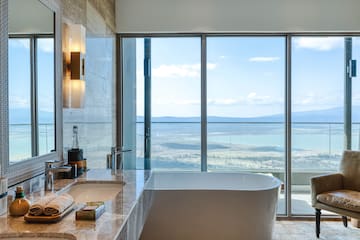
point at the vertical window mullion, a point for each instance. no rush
(147, 103)
(33, 94)
(288, 126)
(203, 105)
(347, 93)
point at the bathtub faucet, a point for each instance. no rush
(50, 170)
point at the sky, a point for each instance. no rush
(19, 75)
(245, 75)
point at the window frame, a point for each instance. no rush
(33, 88)
(34, 166)
(288, 90)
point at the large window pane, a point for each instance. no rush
(96, 120)
(45, 91)
(317, 113)
(175, 103)
(19, 100)
(175, 107)
(245, 90)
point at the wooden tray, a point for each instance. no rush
(48, 219)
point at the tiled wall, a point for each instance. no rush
(96, 120)
(3, 84)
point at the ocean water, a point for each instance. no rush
(20, 141)
(316, 147)
(231, 146)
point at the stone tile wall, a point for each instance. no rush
(96, 120)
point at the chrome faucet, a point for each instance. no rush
(50, 169)
(117, 159)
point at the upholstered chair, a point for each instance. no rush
(338, 192)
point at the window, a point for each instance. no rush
(31, 97)
(245, 105)
(270, 108)
(175, 103)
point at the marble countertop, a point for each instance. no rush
(113, 224)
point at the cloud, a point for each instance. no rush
(313, 100)
(210, 66)
(222, 101)
(264, 59)
(180, 70)
(46, 45)
(187, 102)
(18, 102)
(319, 43)
(19, 43)
(253, 98)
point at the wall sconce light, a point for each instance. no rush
(74, 84)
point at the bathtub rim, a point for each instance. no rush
(150, 185)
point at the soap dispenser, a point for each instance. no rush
(20, 206)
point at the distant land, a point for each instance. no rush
(22, 116)
(327, 115)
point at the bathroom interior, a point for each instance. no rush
(155, 119)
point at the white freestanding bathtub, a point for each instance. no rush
(211, 206)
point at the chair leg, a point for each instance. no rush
(317, 215)
(344, 219)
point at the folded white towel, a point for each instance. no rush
(38, 207)
(58, 205)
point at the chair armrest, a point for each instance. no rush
(325, 183)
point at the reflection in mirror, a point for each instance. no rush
(31, 80)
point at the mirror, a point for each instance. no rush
(31, 80)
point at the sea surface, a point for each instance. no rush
(230, 146)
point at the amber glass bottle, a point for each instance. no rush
(20, 206)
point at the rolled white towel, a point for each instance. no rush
(38, 207)
(58, 205)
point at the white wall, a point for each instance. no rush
(30, 16)
(145, 16)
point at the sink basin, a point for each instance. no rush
(38, 236)
(95, 191)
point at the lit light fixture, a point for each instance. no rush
(74, 83)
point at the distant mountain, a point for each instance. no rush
(327, 115)
(22, 116)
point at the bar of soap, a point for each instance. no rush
(91, 211)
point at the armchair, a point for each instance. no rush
(339, 192)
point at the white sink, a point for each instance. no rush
(95, 191)
(37, 236)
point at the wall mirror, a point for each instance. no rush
(34, 109)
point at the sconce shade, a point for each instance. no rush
(77, 38)
(74, 84)
(74, 93)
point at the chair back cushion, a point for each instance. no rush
(350, 168)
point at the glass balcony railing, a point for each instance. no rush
(257, 146)
(250, 146)
(20, 141)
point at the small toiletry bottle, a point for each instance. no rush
(20, 206)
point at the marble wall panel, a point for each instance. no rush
(95, 120)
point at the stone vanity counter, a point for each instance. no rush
(124, 216)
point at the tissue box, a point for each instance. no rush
(3, 195)
(91, 211)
